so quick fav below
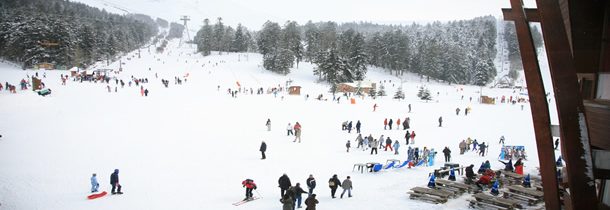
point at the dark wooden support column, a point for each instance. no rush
(572, 121)
(538, 102)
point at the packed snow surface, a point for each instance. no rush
(189, 146)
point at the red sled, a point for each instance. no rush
(94, 196)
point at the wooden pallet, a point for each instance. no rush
(482, 205)
(497, 201)
(530, 201)
(426, 197)
(434, 192)
(526, 191)
(453, 184)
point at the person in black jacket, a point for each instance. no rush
(334, 183)
(114, 181)
(297, 193)
(447, 154)
(311, 183)
(284, 184)
(470, 174)
(263, 149)
(358, 124)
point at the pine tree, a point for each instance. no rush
(269, 38)
(399, 94)
(381, 91)
(279, 61)
(424, 94)
(291, 40)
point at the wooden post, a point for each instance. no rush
(538, 103)
(572, 120)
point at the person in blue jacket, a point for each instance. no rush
(94, 183)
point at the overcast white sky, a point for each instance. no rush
(253, 13)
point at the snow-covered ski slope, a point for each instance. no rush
(189, 146)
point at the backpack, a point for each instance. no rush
(331, 183)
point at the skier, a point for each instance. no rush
(263, 148)
(288, 202)
(311, 183)
(440, 121)
(407, 136)
(388, 143)
(374, 146)
(268, 124)
(334, 183)
(289, 129)
(396, 146)
(501, 140)
(348, 145)
(298, 191)
(94, 183)
(358, 125)
(474, 145)
(114, 181)
(482, 148)
(398, 124)
(409, 108)
(311, 202)
(249, 185)
(390, 124)
(349, 127)
(374, 107)
(385, 124)
(347, 186)
(447, 154)
(457, 111)
(284, 184)
(412, 137)
(297, 132)
(556, 143)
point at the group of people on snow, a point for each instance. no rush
(387, 124)
(114, 182)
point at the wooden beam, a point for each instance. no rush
(538, 104)
(531, 15)
(572, 118)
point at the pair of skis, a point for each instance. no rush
(246, 201)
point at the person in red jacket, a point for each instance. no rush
(385, 124)
(249, 185)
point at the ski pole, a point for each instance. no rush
(259, 194)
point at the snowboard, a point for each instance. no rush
(97, 195)
(245, 201)
(421, 162)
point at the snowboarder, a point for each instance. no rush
(298, 191)
(347, 186)
(263, 148)
(114, 181)
(311, 202)
(288, 202)
(447, 153)
(284, 184)
(385, 124)
(347, 145)
(94, 183)
(334, 183)
(289, 129)
(249, 185)
(358, 125)
(440, 121)
(396, 146)
(268, 124)
(311, 184)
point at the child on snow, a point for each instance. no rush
(94, 184)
